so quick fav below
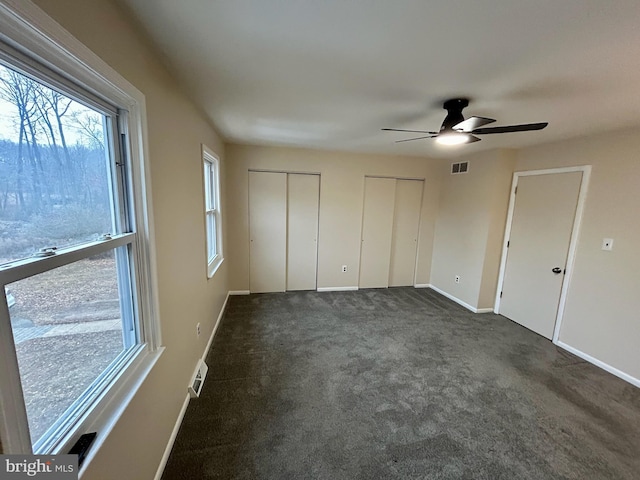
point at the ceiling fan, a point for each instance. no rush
(455, 130)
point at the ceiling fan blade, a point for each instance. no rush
(473, 139)
(472, 123)
(510, 128)
(411, 131)
(417, 138)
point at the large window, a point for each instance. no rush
(76, 317)
(213, 221)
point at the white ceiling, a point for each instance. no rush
(331, 73)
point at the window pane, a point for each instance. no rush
(214, 185)
(68, 328)
(207, 185)
(211, 235)
(55, 181)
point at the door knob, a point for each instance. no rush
(556, 270)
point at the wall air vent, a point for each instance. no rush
(461, 167)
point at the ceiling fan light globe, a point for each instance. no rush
(452, 138)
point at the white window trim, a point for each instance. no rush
(212, 265)
(30, 30)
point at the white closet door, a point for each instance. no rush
(406, 222)
(377, 228)
(302, 236)
(267, 231)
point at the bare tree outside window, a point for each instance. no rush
(56, 191)
(52, 169)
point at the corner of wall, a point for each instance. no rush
(498, 206)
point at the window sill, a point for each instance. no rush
(214, 265)
(109, 409)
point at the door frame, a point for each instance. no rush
(573, 243)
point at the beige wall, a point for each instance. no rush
(176, 130)
(500, 187)
(470, 227)
(602, 316)
(341, 203)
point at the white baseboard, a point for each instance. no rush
(455, 299)
(215, 327)
(422, 285)
(183, 410)
(618, 373)
(172, 439)
(484, 310)
(336, 289)
(239, 292)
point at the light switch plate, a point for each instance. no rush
(607, 244)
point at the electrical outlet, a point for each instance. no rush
(198, 329)
(457, 279)
(344, 268)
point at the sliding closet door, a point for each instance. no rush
(377, 229)
(406, 222)
(267, 231)
(302, 236)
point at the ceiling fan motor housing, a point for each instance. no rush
(454, 116)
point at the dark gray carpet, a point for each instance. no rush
(398, 383)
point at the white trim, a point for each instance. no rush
(239, 292)
(573, 243)
(552, 171)
(31, 266)
(215, 327)
(419, 179)
(30, 30)
(455, 299)
(172, 439)
(112, 407)
(418, 237)
(288, 172)
(14, 425)
(213, 266)
(505, 241)
(573, 246)
(599, 363)
(484, 310)
(183, 410)
(209, 156)
(336, 289)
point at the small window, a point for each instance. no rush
(213, 221)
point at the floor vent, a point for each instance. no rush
(195, 387)
(461, 167)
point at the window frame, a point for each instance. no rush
(45, 44)
(212, 209)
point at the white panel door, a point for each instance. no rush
(544, 213)
(302, 236)
(267, 232)
(377, 229)
(406, 222)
